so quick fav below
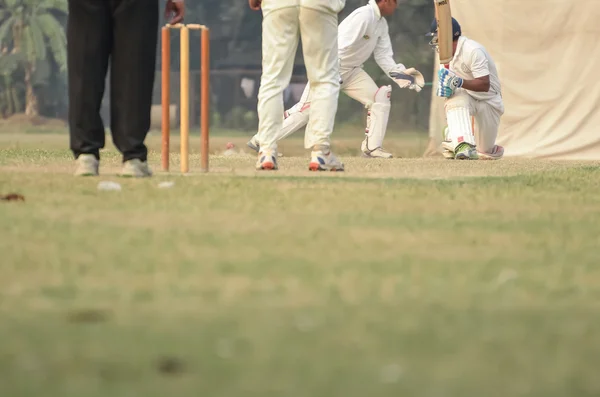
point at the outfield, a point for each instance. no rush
(403, 277)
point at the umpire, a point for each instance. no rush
(124, 34)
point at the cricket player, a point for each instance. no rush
(472, 88)
(284, 22)
(122, 35)
(362, 34)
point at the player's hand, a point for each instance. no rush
(175, 11)
(449, 79)
(444, 92)
(254, 4)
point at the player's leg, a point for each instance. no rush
(135, 38)
(360, 86)
(459, 138)
(293, 119)
(89, 42)
(319, 30)
(279, 44)
(487, 122)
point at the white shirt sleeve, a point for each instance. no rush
(479, 64)
(383, 53)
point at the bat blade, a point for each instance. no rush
(443, 15)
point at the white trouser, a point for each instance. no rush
(487, 117)
(281, 30)
(357, 84)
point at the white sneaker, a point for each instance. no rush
(135, 168)
(376, 153)
(322, 159)
(267, 160)
(87, 165)
(496, 154)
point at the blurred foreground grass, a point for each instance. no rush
(415, 277)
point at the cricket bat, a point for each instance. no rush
(443, 16)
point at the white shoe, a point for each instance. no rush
(496, 154)
(267, 160)
(87, 165)
(135, 168)
(322, 159)
(376, 153)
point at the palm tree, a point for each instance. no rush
(30, 28)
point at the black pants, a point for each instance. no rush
(124, 33)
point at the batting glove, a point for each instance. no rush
(449, 79)
(443, 91)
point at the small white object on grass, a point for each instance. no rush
(109, 185)
(166, 185)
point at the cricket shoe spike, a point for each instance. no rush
(496, 154)
(322, 159)
(267, 160)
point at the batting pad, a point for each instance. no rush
(459, 126)
(377, 118)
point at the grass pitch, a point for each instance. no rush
(406, 277)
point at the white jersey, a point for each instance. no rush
(472, 61)
(364, 33)
(329, 6)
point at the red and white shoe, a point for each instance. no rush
(496, 153)
(267, 160)
(321, 159)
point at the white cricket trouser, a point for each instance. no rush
(281, 30)
(356, 83)
(487, 117)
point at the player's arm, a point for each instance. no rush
(384, 55)
(481, 77)
(480, 84)
(481, 73)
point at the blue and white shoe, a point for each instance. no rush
(267, 160)
(322, 159)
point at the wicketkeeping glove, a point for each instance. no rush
(411, 78)
(449, 79)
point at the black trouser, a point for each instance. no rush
(124, 32)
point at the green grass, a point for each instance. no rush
(407, 277)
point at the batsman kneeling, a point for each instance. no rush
(471, 87)
(363, 33)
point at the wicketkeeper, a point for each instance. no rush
(363, 33)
